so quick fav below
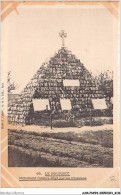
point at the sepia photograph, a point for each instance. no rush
(60, 82)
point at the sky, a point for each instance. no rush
(32, 37)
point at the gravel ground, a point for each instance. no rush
(35, 128)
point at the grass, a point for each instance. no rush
(87, 149)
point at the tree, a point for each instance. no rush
(11, 85)
(105, 83)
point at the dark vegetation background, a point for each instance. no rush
(84, 149)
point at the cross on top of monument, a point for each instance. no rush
(63, 35)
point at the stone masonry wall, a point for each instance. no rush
(48, 83)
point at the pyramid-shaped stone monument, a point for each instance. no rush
(63, 77)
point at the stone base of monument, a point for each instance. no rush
(77, 122)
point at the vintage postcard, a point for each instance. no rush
(60, 94)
